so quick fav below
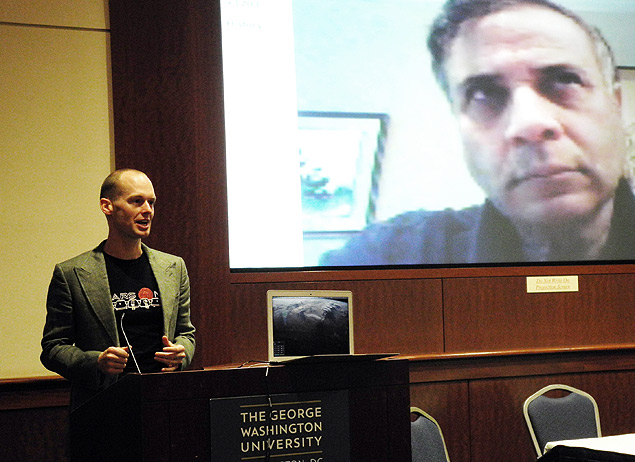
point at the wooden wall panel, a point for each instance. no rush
(477, 399)
(34, 434)
(496, 313)
(448, 403)
(498, 427)
(168, 122)
(394, 316)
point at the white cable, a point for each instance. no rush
(128, 343)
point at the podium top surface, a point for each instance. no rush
(256, 378)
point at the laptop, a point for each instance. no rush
(310, 326)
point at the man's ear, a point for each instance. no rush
(106, 206)
(617, 94)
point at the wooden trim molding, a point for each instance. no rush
(54, 391)
(34, 392)
(257, 276)
(519, 363)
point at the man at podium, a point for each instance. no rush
(121, 307)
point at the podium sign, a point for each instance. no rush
(299, 427)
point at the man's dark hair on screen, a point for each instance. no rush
(456, 12)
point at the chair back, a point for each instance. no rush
(428, 444)
(572, 416)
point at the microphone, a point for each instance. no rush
(128, 343)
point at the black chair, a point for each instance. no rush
(568, 417)
(428, 444)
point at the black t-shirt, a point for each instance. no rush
(137, 305)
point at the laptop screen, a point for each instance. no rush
(308, 323)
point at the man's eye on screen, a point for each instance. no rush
(561, 86)
(485, 103)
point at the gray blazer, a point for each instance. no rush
(80, 320)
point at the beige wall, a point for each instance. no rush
(55, 148)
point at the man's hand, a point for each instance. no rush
(113, 360)
(172, 355)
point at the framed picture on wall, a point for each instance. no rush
(340, 162)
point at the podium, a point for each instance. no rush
(166, 416)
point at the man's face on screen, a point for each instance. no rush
(541, 127)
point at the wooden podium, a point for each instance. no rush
(166, 416)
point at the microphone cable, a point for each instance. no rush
(128, 343)
(268, 420)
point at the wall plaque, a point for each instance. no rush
(542, 284)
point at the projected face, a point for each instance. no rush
(541, 127)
